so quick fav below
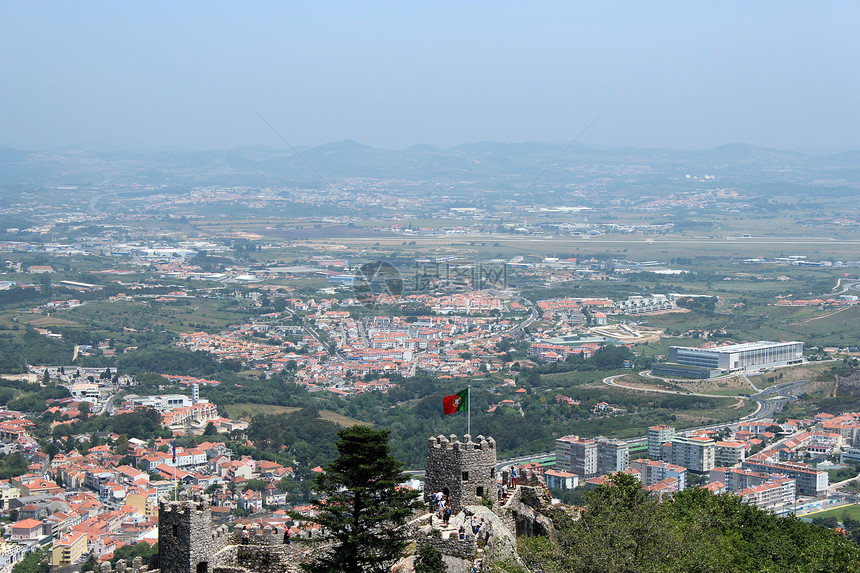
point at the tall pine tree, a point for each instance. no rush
(362, 507)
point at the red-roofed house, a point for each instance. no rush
(37, 486)
(251, 500)
(27, 529)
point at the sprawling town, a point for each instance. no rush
(87, 494)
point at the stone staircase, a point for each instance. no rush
(449, 530)
(478, 563)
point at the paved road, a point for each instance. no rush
(108, 407)
(610, 381)
(770, 400)
(750, 382)
(849, 285)
(315, 335)
(774, 398)
(533, 315)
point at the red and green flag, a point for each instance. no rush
(458, 402)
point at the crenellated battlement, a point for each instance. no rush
(197, 503)
(122, 566)
(266, 535)
(463, 469)
(220, 533)
(453, 443)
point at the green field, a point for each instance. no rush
(247, 411)
(791, 374)
(853, 511)
(186, 315)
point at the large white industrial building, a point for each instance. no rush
(745, 356)
(710, 362)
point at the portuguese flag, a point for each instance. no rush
(458, 402)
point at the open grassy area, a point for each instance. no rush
(183, 316)
(839, 475)
(730, 392)
(726, 409)
(727, 386)
(853, 511)
(661, 347)
(634, 380)
(646, 408)
(561, 380)
(247, 411)
(44, 321)
(682, 322)
(790, 374)
(815, 327)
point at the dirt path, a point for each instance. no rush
(825, 315)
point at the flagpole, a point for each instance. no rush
(469, 411)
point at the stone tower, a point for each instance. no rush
(465, 471)
(187, 540)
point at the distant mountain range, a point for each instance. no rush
(512, 165)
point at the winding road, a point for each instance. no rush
(770, 400)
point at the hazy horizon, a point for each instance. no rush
(92, 147)
(192, 77)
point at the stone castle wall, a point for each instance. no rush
(261, 559)
(189, 542)
(465, 470)
(452, 545)
(187, 538)
(122, 566)
(521, 513)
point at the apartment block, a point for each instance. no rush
(809, 481)
(771, 494)
(850, 455)
(657, 436)
(695, 454)
(556, 479)
(612, 456)
(727, 454)
(736, 479)
(68, 550)
(576, 455)
(653, 472)
(847, 426)
(662, 488)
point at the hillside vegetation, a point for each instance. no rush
(623, 529)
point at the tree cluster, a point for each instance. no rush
(623, 529)
(309, 439)
(37, 400)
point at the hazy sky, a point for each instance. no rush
(189, 75)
